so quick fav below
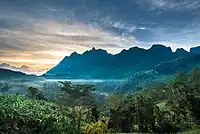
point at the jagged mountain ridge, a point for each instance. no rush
(99, 64)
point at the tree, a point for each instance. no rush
(194, 81)
(32, 92)
(178, 84)
(77, 95)
(136, 115)
(144, 114)
(115, 99)
(95, 113)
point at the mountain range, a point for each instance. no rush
(99, 64)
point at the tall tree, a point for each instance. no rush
(32, 92)
(77, 95)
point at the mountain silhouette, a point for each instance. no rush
(99, 64)
(24, 69)
(9, 74)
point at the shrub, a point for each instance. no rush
(94, 128)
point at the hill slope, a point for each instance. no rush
(9, 74)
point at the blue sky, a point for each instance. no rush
(39, 33)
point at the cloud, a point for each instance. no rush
(47, 41)
(170, 4)
(52, 9)
(51, 35)
(118, 24)
(41, 34)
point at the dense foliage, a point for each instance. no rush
(24, 116)
(172, 107)
(159, 108)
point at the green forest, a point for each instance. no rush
(171, 107)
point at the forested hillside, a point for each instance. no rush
(158, 108)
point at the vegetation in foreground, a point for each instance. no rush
(159, 108)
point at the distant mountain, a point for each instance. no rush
(98, 64)
(23, 69)
(6, 74)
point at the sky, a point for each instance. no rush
(39, 33)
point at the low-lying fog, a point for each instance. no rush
(84, 81)
(53, 85)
